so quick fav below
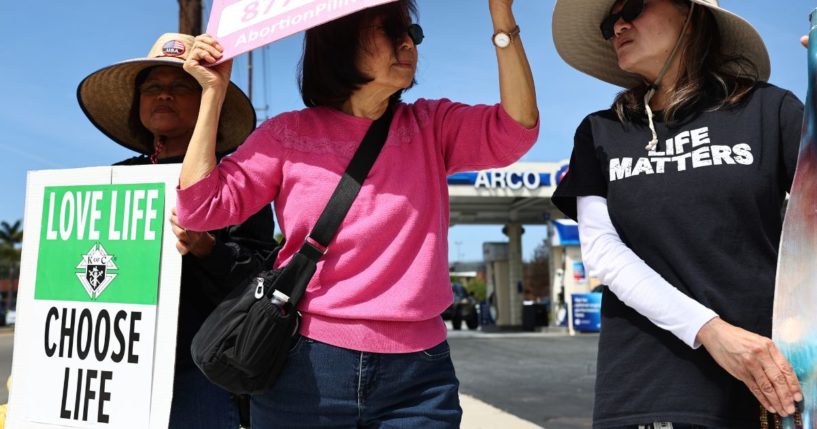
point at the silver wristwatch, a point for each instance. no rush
(503, 39)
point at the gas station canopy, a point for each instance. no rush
(519, 193)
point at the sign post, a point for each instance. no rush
(98, 300)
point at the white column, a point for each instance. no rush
(515, 272)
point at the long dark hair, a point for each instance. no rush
(706, 79)
(327, 73)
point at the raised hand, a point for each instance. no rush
(206, 51)
(500, 4)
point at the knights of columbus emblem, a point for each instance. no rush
(96, 268)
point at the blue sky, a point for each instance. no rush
(50, 46)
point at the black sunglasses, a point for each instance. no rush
(397, 31)
(629, 12)
(416, 33)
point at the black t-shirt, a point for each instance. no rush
(237, 253)
(704, 211)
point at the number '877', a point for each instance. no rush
(269, 8)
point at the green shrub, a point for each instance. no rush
(476, 287)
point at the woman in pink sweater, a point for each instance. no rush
(372, 350)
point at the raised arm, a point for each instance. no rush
(200, 158)
(516, 88)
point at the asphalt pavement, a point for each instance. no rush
(6, 347)
(508, 380)
(544, 378)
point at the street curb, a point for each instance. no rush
(480, 415)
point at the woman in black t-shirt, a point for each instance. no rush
(150, 105)
(685, 231)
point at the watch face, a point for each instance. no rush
(502, 40)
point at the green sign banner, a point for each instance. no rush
(101, 243)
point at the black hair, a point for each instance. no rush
(327, 73)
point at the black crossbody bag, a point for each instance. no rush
(243, 344)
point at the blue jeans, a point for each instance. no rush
(324, 386)
(199, 404)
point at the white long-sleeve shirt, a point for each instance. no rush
(631, 279)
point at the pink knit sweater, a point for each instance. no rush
(384, 281)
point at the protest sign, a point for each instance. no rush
(98, 299)
(243, 25)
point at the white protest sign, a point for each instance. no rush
(243, 25)
(94, 342)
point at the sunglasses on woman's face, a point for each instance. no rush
(629, 12)
(177, 87)
(396, 29)
(416, 33)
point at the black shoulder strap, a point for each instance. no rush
(317, 242)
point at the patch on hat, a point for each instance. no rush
(173, 48)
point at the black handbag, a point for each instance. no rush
(243, 344)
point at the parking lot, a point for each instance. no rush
(544, 378)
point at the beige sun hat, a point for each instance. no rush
(579, 41)
(106, 96)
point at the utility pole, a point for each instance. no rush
(249, 76)
(190, 17)
(190, 21)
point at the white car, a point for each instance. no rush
(11, 317)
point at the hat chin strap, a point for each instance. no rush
(654, 86)
(158, 148)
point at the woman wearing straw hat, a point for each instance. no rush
(150, 105)
(678, 189)
(372, 350)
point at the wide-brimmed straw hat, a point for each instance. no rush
(106, 96)
(579, 41)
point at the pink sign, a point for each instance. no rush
(243, 25)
